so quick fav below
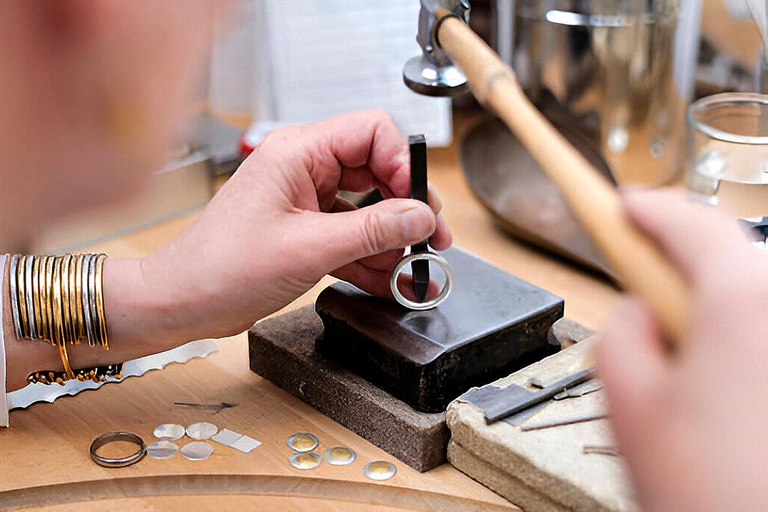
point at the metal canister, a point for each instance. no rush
(621, 71)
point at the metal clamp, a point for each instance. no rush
(431, 303)
(433, 73)
(113, 437)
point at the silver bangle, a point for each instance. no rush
(92, 292)
(28, 263)
(432, 303)
(112, 437)
(13, 285)
(85, 277)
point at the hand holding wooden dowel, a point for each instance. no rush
(595, 203)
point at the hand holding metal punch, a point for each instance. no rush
(420, 255)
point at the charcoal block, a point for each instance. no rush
(492, 324)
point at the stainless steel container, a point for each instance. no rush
(621, 71)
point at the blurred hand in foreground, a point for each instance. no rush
(692, 424)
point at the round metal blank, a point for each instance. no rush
(302, 442)
(201, 431)
(162, 449)
(305, 460)
(340, 456)
(170, 431)
(380, 470)
(197, 450)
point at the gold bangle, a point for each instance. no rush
(51, 294)
(49, 262)
(65, 362)
(72, 298)
(36, 296)
(64, 289)
(56, 303)
(62, 307)
(67, 293)
(79, 318)
(102, 319)
(22, 300)
(66, 312)
(44, 326)
(89, 298)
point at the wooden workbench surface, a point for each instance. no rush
(48, 444)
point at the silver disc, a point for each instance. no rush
(197, 450)
(202, 430)
(162, 449)
(169, 431)
(380, 470)
(340, 456)
(305, 460)
(302, 442)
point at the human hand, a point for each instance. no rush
(692, 424)
(277, 226)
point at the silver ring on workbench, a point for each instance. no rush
(429, 304)
(113, 437)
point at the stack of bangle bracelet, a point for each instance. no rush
(60, 299)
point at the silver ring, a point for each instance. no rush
(432, 303)
(112, 437)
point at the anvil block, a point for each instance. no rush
(491, 325)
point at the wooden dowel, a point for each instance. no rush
(595, 203)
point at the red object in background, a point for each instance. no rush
(245, 147)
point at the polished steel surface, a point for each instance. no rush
(623, 71)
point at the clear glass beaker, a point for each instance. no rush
(728, 152)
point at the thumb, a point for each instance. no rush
(384, 226)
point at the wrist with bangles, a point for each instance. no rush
(60, 299)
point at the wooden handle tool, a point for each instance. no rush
(595, 203)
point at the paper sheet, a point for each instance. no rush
(320, 58)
